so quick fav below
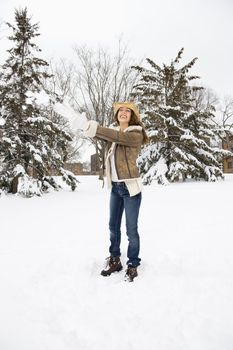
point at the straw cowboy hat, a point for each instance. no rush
(131, 105)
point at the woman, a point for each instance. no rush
(123, 146)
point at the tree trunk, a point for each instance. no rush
(14, 184)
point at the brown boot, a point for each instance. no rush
(112, 265)
(131, 273)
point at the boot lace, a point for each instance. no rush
(110, 261)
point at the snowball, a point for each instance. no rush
(76, 120)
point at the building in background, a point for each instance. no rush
(95, 167)
(228, 162)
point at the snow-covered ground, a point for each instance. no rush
(52, 249)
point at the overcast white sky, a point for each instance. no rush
(154, 29)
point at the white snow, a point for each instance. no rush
(37, 157)
(19, 169)
(52, 249)
(37, 120)
(28, 186)
(2, 121)
(41, 97)
(7, 139)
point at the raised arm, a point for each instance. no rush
(131, 139)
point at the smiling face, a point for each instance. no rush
(123, 116)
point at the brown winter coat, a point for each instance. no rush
(127, 145)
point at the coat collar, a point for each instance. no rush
(130, 128)
(133, 127)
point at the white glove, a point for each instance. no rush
(90, 128)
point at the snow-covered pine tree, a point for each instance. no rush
(179, 135)
(30, 143)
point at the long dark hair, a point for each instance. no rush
(135, 121)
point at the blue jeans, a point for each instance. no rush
(120, 200)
